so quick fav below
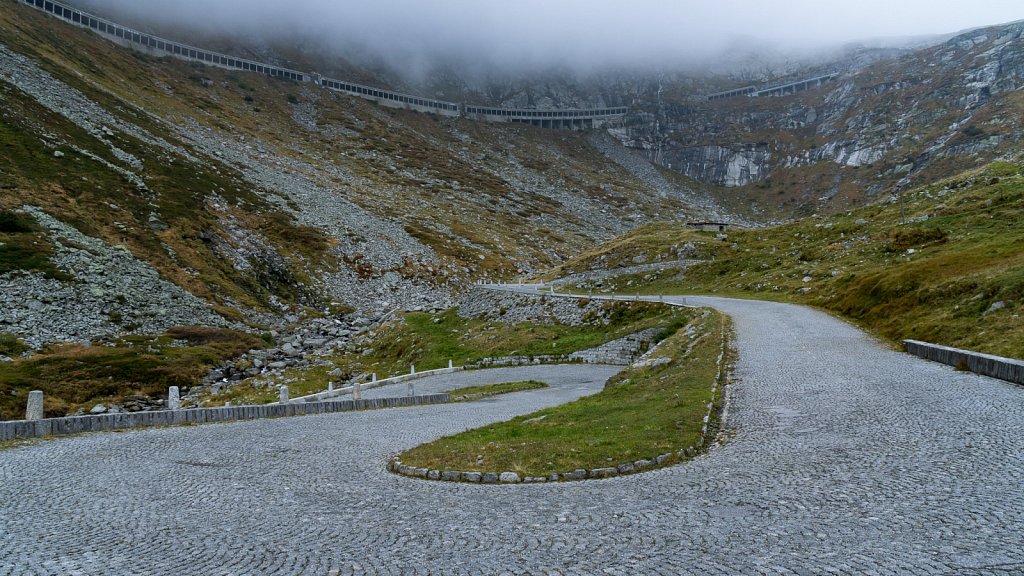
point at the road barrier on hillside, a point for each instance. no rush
(1007, 369)
(17, 429)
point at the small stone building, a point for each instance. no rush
(709, 226)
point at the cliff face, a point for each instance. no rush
(918, 116)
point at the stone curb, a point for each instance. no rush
(643, 465)
(721, 380)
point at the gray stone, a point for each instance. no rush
(98, 409)
(450, 475)
(173, 398)
(283, 394)
(472, 477)
(626, 468)
(603, 473)
(575, 475)
(995, 307)
(34, 407)
(509, 478)
(489, 478)
(434, 475)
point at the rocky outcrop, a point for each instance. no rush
(723, 165)
(109, 293)
(514, 308)
(898, 116)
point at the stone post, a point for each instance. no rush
(34, 409)
(411, 389)
(330, 386)
(373, 377)
(449, 364)
(173, 398)
(357, 391)
(284, 394)
(412, 368)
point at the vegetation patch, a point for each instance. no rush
(11, 345)
(24, 246)
(640, 414)
(75, 376)
(429, 341)
(944, 264)
(470, 393)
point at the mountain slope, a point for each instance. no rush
(944, 263)
(258, 195)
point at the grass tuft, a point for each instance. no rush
(640, 414)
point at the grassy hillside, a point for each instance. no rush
(945, 265)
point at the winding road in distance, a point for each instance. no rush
(842, 457)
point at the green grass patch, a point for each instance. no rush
(429, 341)
(74, 376)
(24, 246)
(470, 393)
(641, 413)
(11, 345)
(933, 270)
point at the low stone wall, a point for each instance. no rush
(16, 429)
(1007, 369)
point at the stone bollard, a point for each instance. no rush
(330, 386)
(357, 391)
(411, 389)
(373, 377)
(449, 364)
(412, 368)
(34, 409)
(173, 398)
(284, 394)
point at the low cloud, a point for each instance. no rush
(590, 34)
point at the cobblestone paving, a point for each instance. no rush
(842, 457)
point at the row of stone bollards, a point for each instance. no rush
(34, 407)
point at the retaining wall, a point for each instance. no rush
(578, 119)
(984, 364)
(16, 429)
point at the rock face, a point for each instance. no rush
(514, 308)
(729, 166)
(896, 117)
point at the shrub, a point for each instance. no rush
(14, 223)
(902, 238)
(11, 345)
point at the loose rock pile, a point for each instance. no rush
(111, 293)
(514, 308)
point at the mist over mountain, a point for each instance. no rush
(414, 37)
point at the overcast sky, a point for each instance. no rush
(580, 32)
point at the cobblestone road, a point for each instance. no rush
(844, 458)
